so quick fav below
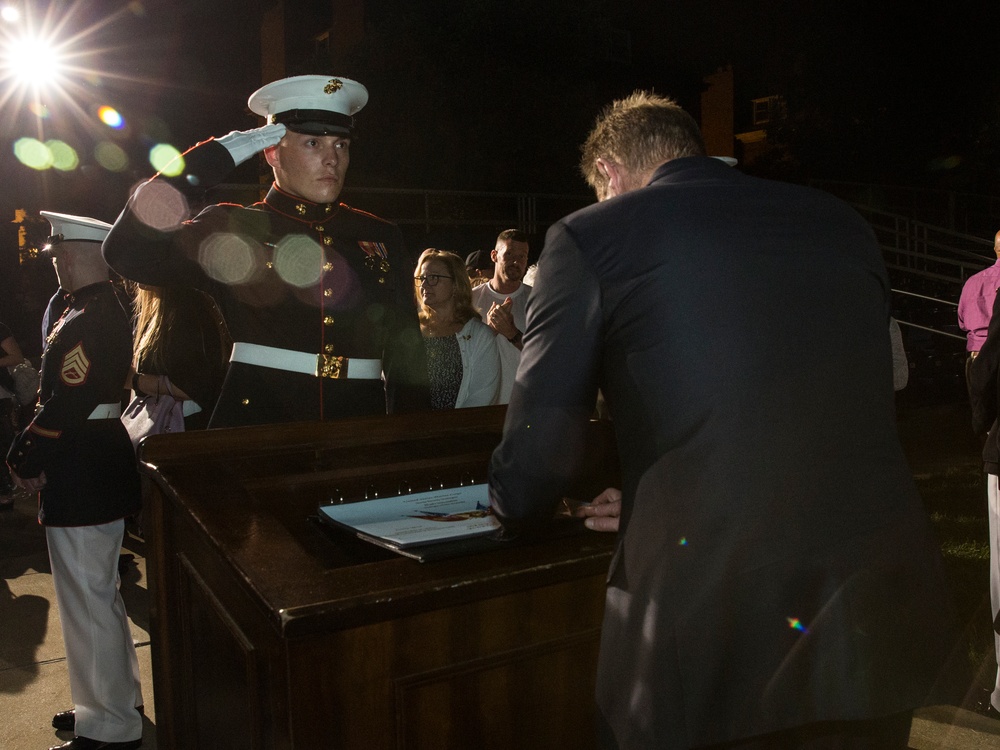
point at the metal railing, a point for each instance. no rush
(930, 329)
(970, 213)
(927, 263)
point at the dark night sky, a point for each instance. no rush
(491, 95)
(496, 95)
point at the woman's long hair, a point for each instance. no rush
(154, 312)
(464, 311)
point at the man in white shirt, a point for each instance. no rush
(503, 300)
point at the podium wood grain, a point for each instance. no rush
(269, 632)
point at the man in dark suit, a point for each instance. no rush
(776, 581)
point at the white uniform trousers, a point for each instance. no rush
(100, 653)
(993, 501)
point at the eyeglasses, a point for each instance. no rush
(430, 279)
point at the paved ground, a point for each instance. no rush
(33, 683)
(33, 679)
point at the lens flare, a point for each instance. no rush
(166, 159)
(110, 156)
(298, 260)
(160, 206)
(110, 117)
(64, 157)
(33, 153)
(33, 61)
(795, 624)
(228, 258)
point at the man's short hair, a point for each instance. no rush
(639, 132)
(512, 235)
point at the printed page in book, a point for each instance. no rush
(420, 518)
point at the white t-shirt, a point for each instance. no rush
(483, 296)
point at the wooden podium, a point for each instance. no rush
(270, 631)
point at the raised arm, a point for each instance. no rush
(153, 241)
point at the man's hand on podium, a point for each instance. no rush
(602, 513)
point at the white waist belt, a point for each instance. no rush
(106, 411)
(317, 365)
(189, 407)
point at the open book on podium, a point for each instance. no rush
(428, 525)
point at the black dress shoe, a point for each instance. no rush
(85, 743)
(65, 721)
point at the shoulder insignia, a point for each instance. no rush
(75, 366)
(43, 432)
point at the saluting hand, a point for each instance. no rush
(242, 144)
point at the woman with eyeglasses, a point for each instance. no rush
(462, 358)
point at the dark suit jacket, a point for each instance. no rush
(775, 565)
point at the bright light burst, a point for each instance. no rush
(57, 74)
(33, 61)
(52, 66)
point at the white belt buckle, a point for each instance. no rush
(317, 365)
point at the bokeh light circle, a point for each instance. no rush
(166, 159)
(31, 152)
(160, 206)
(228, 258)
(64, 156)
(110, 156)
(298, 260)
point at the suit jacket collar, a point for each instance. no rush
(689, 168)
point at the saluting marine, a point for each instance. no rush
(317, 295)
(77, 455)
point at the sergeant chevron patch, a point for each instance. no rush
(75, 366)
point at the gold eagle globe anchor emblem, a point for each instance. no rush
(333, 86)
